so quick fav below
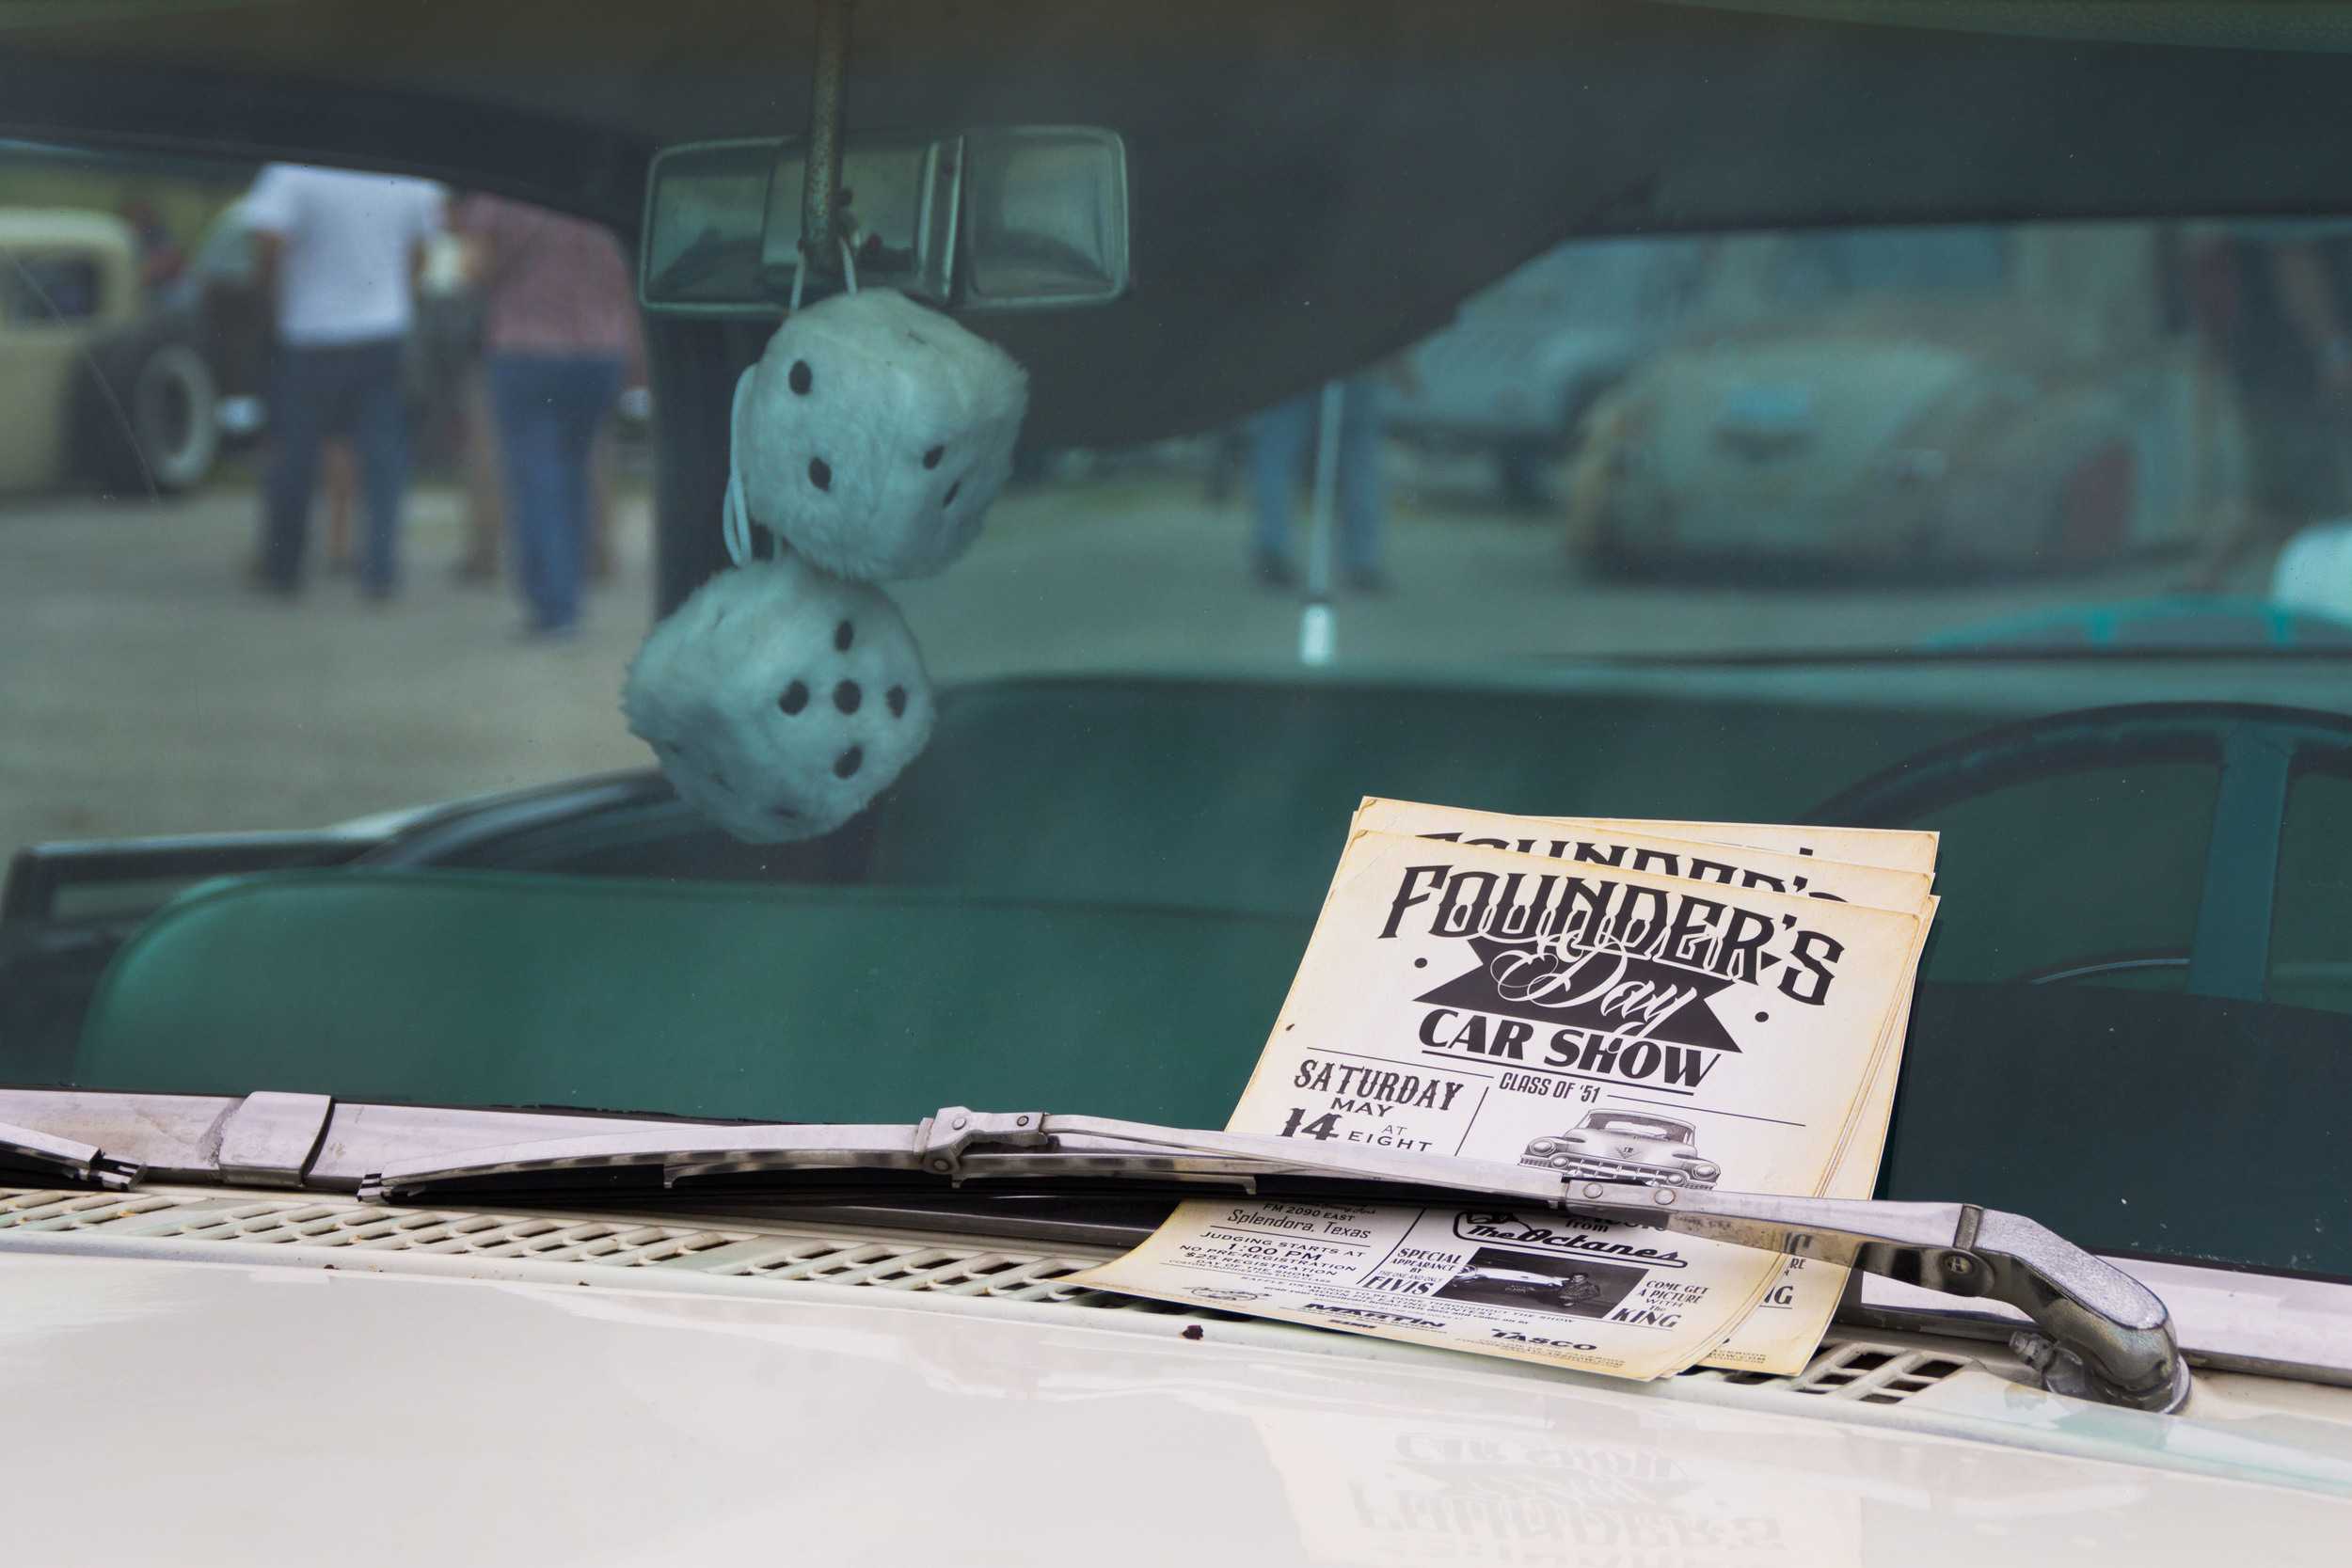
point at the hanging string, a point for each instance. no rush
(799, 272)
(735, 517)
(734, 513)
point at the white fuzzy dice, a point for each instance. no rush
(780, 700)
(871, 437)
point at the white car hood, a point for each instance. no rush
(170, 1412)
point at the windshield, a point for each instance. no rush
(1640, 1127)
(1769, 526)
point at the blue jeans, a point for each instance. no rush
(549, 407)
(1281, 439)
(351, 389)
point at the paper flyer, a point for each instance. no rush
(1894, 849)
(1575, 1015)
(1786, 1329)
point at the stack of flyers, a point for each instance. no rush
(1696, 1005)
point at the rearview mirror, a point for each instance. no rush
(997, 218)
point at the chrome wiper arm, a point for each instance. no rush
(24, 1149)
(2104, 1336)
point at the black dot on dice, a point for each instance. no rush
(931, 458)
(1420, 963)
(949, 498)
(843, 635)
(801, 377)
(1763, 1017)
(847, 696)
(896, 698)
(820, 473)
(795, 697)
(849, 761)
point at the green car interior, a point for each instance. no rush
(1091, 891)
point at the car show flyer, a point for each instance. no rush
(1786, 1329)
(1462, 1000)
(1894, 849)
(1648, 846)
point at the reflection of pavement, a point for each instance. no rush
(146, 690)
(1139, 574)
(149, 691)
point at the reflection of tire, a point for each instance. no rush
(156, 421)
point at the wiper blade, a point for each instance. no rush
(2104, 1336)
(22, 1149)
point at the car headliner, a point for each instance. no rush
(1315, 183)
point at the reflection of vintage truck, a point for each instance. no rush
(1618, 1146)
(102, 380)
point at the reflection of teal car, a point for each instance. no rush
(1514, 374)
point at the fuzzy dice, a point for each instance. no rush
(780, 700)
(871, 437)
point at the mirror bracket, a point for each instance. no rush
(820, 191)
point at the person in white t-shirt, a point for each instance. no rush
(339, 253)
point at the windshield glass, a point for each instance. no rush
(1640, 1127)
(1716, 527)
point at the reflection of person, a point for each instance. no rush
(2275, 312)
(338, 254)
(339, 481)
(485, 505)
(1281, 439)
(161, 260)
(559, 326)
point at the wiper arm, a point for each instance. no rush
(22, 1149)
(2104, 1336)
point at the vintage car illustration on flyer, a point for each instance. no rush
(1455, 999)
(1618, 1146)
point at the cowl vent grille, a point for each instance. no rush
(783, 1255)
(1854, 1370)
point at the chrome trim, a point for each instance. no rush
(267, 1140)
(170, 1134)
(65, 1158)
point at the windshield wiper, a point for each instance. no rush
(2104, 1336)
(22, 1149)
